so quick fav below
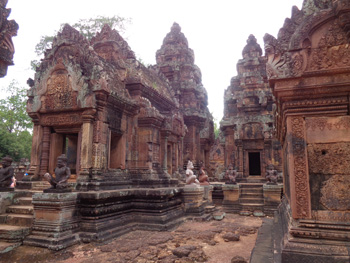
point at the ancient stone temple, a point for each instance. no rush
(117, 131)
(309, 70)
(249, 142)
(118, 122)
(8, 29)
(176, 61)
(248, 120)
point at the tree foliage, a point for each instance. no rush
(216, 130)
(15, 138)
(87, 27)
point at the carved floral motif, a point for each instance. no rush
(301, 178)
(59, 93)
(333, 49)
(335, 193)
(329, 158)
(61, 119)
(318, 123)
(322, 124)
(8, 29)
(156, 153)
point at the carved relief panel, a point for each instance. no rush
(252, 131)
(299, 174)
(333, 50)
(329, 162)
(59, 94)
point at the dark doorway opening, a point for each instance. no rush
(254, 163)
(68, 144)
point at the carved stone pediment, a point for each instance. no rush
(313, 39)
(8, 29)
(59, 93)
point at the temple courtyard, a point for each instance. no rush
(126, 163)
(193, 241)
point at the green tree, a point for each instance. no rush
(15, 138)
(216, 130)
(87, 27)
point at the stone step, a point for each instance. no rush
(17, 219)
(24, 193)
(7, 247)
(258, 191)
(251, 185)
(13, 234)
(251, 195)
(251, 201)
(210, 209)
(23, 201)
(256, 179)
(20, 209)
(252, 207)
(40, 187)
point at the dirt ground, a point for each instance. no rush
(211, 241)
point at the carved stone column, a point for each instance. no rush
(181, 155)
(36, 150)
(86, 142)
(298, 168)
(165, 157)
(239, 159)
(45, 154)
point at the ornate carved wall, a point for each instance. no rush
(248, 122)
(309, 71)
(8, 29)
(122, 120)
(176, 61)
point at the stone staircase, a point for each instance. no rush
(251, 199)
(16, 223)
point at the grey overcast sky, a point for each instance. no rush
(216, 30)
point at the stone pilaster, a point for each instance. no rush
(193, 200)
(272, 198)
(298, 169)
(231, 198)
(86, 146)
(55, 224)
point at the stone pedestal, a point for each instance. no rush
(217, 194)
(315, 241)
(109, 214)
(231, 198)
(272, 198)
(32, 185)
(208, 193)
(55, 221)
(193, 200)
(6, 199)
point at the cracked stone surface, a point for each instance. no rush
(191, 242)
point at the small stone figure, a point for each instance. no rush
(62, 173)
(191, 179)
(271, 174)
(14, 180)
(6, 172)
(230, 175)
(203, 177)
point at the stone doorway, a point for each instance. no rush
(254, 163)
(117, 151)
(68, 144)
